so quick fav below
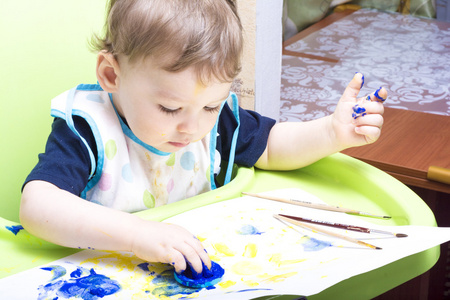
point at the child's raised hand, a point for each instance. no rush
(169, 243)
(358, 121)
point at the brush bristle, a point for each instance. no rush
(400, 235)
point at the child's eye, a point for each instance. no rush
(214, 109)
(169, 111)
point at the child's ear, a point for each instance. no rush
(107, 72)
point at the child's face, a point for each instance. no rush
(167, 110)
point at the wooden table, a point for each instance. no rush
(410, 143)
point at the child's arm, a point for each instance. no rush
(293, 145)
(65, 219)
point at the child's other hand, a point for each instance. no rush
(358, 121)
(169, 243)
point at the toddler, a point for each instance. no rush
(157, 126)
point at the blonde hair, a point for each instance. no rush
(205, 34)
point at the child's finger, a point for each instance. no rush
(379, 95)
(191, 256)
(364, 107)
(198, 247)
(176, 259)
(370, 120)
(205, 258)
(353, 88)
(371, 133)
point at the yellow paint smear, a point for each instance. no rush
(246, 268)
(276, 259)
(200, 238)
(227, 284)
(277, 278)
(222, 248)
(250, 250)
(199, 87)
(250, 283)
(290, 262)
(120, 261)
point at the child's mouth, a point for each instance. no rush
(179, 145)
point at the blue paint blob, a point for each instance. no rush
(14, 229)
(207, 278)
(168, 286)
(57, 271)
(249, 230)
(312, 244)
(90, 287)
(78, 272)
(144, 267)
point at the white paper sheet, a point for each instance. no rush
(260, 255)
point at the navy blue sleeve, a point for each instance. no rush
(253, 135)
(66, 162)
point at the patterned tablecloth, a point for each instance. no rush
(409, 56)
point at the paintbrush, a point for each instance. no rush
(327, 232)
(317, 205)
(344, 226)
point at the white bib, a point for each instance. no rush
(130, 175)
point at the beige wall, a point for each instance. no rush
(244, 84)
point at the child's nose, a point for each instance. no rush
(189, 125)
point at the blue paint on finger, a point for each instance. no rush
(362, 78)
(207, 278)
(358, 111)
(378, 96)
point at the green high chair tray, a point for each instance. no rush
(339, 179)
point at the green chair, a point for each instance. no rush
(44, 52)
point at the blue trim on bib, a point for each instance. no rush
(67, 115)
(132, 136)
(93, 180)
(213, 142)
(69, 120)
(89, 87)
(212, 148)
(235, 109)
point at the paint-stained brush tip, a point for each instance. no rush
(386, 217)
(400, 235)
